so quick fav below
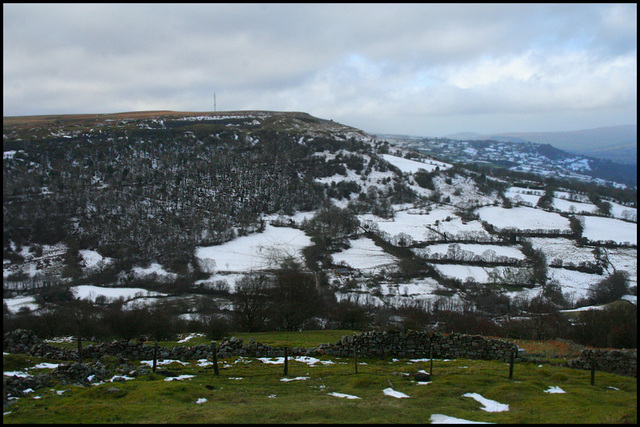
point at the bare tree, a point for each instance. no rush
(251, 301)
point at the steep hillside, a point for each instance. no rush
(145, 187)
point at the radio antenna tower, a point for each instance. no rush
(214, 102)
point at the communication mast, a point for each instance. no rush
(214, 102)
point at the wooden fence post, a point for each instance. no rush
(286, 362)
(511, 364)
(430, 360)
(214, 357)
(79, 348)
(593, 372)
(155, 356)
(355, 358)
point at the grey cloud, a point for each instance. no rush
(381, 65)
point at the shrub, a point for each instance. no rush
(609, 289)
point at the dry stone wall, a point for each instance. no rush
(409, 344)
(621, 362)
(414, 344)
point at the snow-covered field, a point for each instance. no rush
(467, 272)
(623, 212)
(562, 249)
(364, 254)
(573, 282)
(412, 166)
(487, 252)
(523, 218)
(604, 229)
(518, 194)
(15, 304)
(255, 252)
(92, 292)
(421, 225)
(570, 206)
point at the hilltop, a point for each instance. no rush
(272, 120)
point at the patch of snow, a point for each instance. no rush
(346, 396)
(179, 377)
(294, 379)
(391, 392)
(275, 361)
(15, 374)
(45, 365)
(126, 378)
(201, 400)
(489, 405)
(555, 389)
(190, 336)
(445, 419)
(163, 362)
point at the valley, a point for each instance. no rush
(186, 209)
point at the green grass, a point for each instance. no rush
(296, 339)
(305, 339)
(261, 397)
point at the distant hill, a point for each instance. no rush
(616, 143)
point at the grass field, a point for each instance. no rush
(251, 391)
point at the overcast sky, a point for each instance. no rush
(416, 69)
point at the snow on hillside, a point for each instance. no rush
(574, 283)
(15, 304)
(92, 259)
(92, 292)
(412, 166)
(480, 250)
(364, 254)
(258, 251)
(604, 229)
(563, 249)
(623, 212)
(519, 195)
(625, 259)
(523, 218)
(154, 269)
(469, 272)
(421, 225)
(570, 206)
